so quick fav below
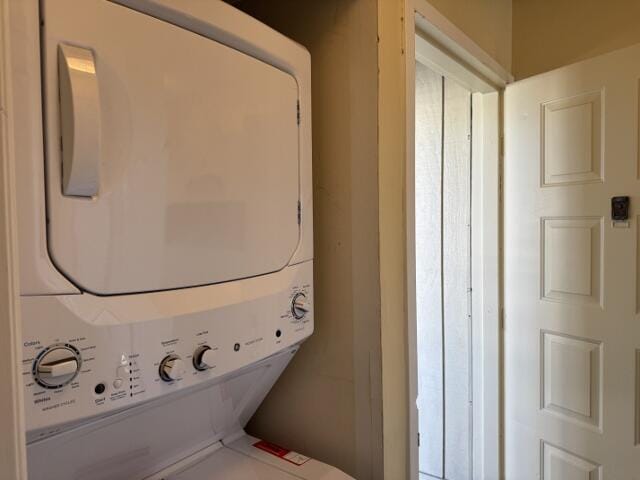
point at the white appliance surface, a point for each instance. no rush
(241, 460)
(198, 160)
(166, 234)
(181, 89)
(225, 464)
(300, 467)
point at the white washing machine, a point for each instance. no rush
(165, 223)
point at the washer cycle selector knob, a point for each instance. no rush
(203, 358)
(56, 365)
(171, 368)
(299, 305)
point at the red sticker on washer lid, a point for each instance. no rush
(277, 451)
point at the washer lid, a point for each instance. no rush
(172, 160)
(225, 464)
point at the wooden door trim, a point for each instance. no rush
(12, 440)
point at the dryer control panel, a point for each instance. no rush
(85, 355)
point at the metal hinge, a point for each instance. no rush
(418, 439)
(299, 213)
(298, 111)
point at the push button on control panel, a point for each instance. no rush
(123, 371)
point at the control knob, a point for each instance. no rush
(299, 305)
(171, 368)
(203, 358)
(56, 366)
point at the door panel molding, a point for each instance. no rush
(560, 464)
(571, 253)
(572, 133)
(571, 383)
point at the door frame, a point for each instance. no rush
(434, 41)
(12, 440)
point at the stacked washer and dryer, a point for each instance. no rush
(165, 223)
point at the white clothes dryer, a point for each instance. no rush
(166, 243)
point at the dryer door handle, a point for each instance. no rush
(79, 121)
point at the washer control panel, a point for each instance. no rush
(84, 355)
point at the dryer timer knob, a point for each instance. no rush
(299, 305)
(203, 358)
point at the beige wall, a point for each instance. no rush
(535, 36)
(328, 402)
(551, 33)
(486, 22)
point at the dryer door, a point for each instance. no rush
(172, 160)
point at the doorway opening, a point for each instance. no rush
(453, 191)
(443, 226)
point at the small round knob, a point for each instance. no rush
(203, 358)
(171, 368)
(56, 366)
(299, 305)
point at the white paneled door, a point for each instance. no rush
(572, 311)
